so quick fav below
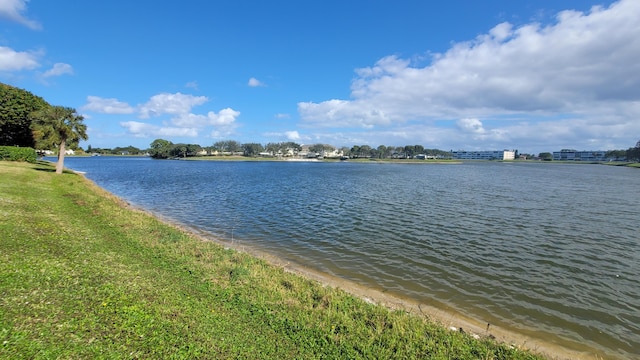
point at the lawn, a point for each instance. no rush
(83, 275)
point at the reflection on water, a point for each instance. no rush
(549, 250)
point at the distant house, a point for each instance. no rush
(574, 155)
(334, 154)
(305, 152)
(69, 152)
(484, 155)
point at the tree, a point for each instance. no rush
(317, 148)
(546, 156)
(16, 106)
(252, 149)
(355, 151)
(321, 149)
(129, 150)
(345, 151)
(383, 152)
(633, 154)
(227, 146)
(616, 154)
(160, 148)
(58, 125)
(365, 151)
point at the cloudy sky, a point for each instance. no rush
(532, 75)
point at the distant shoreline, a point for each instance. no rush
(381, 161)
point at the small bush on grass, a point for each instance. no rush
(14, 153)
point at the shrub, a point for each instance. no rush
(14, 153)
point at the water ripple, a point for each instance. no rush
(541, 248)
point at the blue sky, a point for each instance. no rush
(532, 75)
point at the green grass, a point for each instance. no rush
(84, 276)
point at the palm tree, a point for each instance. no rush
(58, 126)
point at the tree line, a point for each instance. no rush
(164, 149)
(27, 120)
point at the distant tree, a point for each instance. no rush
(321, 149)
(345, 151)
(383, 152)
(252, 149)
(179, 150)
(160, 149)
(355, 151)
(283, 148)
(16, 106)
(58, 125)
(234, 146)
(272, 148)
(364, 151)
(547, 156)
(633, 154)
(374, 153)
(129, 150)
(412, 150)
(219, 146)
(184, 150)
(316, 148)
(399, 152)
(292, 145)
(616, 154)
(230, 146)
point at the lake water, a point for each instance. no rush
(547, 250)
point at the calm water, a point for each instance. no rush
(548, 250)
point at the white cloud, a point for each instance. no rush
(192, 85)
(14, 9)
(11, 60)
(224, 117)
(292, 135)
(145, 130)
(182, 122)
(174, 104)
(339, 113)
(107, 106)
(282, 116)
(471, 125)
(253, 82)
(58, 69)
(583, 66)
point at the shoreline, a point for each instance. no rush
(452, 320)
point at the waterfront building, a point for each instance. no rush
(574, 155)
(484, 155)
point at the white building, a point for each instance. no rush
(484, 155)
(574, 155)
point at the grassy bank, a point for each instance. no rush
(84, 276)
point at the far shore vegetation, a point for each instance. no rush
(86, 276)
